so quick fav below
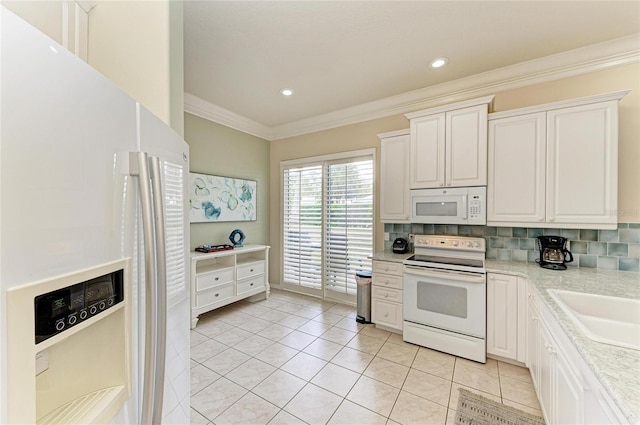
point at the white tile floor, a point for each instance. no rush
(294, 359)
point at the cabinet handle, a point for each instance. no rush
(386, 315)
(551, 219)
(441, 184)
(217, 278)
(251, 284)
(250, 270)
(386, 295)
(217, 295)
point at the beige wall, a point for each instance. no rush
(138, 46)
(222, 151)
(363, 135)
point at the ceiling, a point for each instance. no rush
(238, 55)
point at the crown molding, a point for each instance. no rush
(207, 110)
(597, 57)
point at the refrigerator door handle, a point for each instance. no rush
(139, 166)
(161, 289)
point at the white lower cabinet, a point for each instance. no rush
(506, 316)
(569, 393)
(386, 295)
(220, 278)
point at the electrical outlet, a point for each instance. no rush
(411, 236)
(386, 236)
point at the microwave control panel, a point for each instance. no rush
(475, 207)
(59, 310)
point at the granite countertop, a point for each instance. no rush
(617, 368)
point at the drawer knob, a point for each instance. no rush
(251, 284)
(386, 315)
(217, 278)
(250, 270)
(217, 295)
(386, 295)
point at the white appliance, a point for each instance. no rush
(445, 295)
(458, 205)
(91, 185)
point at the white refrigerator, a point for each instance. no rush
(88, 179)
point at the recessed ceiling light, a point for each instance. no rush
(286, 92)
(439, 62)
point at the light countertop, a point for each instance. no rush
(617, 368)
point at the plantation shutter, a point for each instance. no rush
(348, 222)
(302, 226)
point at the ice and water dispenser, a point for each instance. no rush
(69, 347)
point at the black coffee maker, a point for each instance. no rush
(553, 252)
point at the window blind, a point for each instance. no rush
(348, 222)
(327, 223)
(302, 226)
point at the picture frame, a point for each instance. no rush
(216, 199)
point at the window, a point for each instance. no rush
(327, 228)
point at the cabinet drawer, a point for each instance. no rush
(213, 279)
(387, 281)
(250, 285)
(250, 269)
(387, 267)
(386, 313)
(386, 294)
(214, 295)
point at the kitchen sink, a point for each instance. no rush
(602, 318)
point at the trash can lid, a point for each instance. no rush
(366, 273)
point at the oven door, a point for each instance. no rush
(445, 299)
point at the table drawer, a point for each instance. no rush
(214, 295)
(387, 281)
(388, 267)
(250, 269)
(250, 285)
(213, 279)
(387, 294)
(386, 314)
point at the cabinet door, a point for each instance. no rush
(533, 344)
(568, 392)
(394, 179)
(502, 315)
(427, 151)
(546, 374)
(516, 174)
(466, 147)
(582, 155)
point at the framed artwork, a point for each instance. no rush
(215, 199)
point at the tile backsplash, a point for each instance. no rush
(604, 249)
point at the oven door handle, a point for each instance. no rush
(446, 274)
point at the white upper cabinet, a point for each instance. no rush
(449, 145)
(394, 176)
(515, 190)
(555, 165)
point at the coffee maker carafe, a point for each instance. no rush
(553, 252)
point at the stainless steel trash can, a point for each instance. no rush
(363, 297)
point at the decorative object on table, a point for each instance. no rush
(237, 238)
(478, 410)
(213, 248)
(218, 199)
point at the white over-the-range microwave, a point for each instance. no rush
(458, 205)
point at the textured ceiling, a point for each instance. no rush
(339, 54)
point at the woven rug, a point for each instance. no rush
(474, 409)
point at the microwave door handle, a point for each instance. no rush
(465, 206)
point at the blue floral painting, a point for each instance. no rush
(218, 199)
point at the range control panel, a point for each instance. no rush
(462, 243)
(64, 308)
